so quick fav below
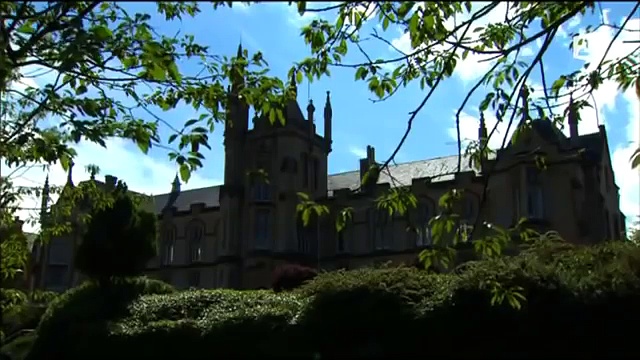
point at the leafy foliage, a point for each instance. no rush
(384, 312)
(119, 241)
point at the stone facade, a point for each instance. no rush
(234, 235)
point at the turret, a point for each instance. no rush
(572, 119)
(236, 123)
(483, 138)
(44, 204)
(311, 127)
(328, 114)
(175, 186)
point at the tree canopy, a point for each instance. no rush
(119, 240)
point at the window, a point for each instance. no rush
(316, 166)
(194, 278)
(56, 277)
(261, 191)
(59, 252)
(262, 230)
(305, 170)
(468, 208)
(516, 203)
(305, 235)
(380, 222)
(221, 277)
(423, 230)
(196, 233)
(535, 200)
(169, 246)
(464, 231)
(616, 228)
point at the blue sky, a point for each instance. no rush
(357, 122)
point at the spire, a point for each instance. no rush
(175, 186)
(294, 85)
(240, 53)
(45, 202)
(572, 119)
(524, 93)
(328, 115)
(70, 174)
(327, 106)
(310, 110)
(482, 130)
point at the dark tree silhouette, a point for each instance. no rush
(289, 277)
(119, 241)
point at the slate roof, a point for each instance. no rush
(439, 169)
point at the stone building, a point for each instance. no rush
(235, 234)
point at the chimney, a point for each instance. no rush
(365, 164)
(110, 180)
(328, 114)
(371, 155)
(364, 167)
(572, 119)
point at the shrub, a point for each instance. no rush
(25, 313)
(577, 302)
(119, 241)
(85, 311)
(289, 277)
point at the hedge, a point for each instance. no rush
(80, 316)
(578, 301)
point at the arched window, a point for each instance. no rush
(306, 236)
(535, 196)
(379, 223)
(468, 214)
(262, 229)
(422, 215)
(168, 245)
(195, 233)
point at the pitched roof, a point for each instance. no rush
(438, 169)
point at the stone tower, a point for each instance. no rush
(231, 196)
(259, 211)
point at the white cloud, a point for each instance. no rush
(120, 158)
(469, 126)
(357, 151)
(475, 65)
(606, 97)
(240, 6)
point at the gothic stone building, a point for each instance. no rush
(235, 234)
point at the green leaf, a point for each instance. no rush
(299, 77)
(102, 32)
(143, 146)
(26, 28)
(81, 89)
(185, 173)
